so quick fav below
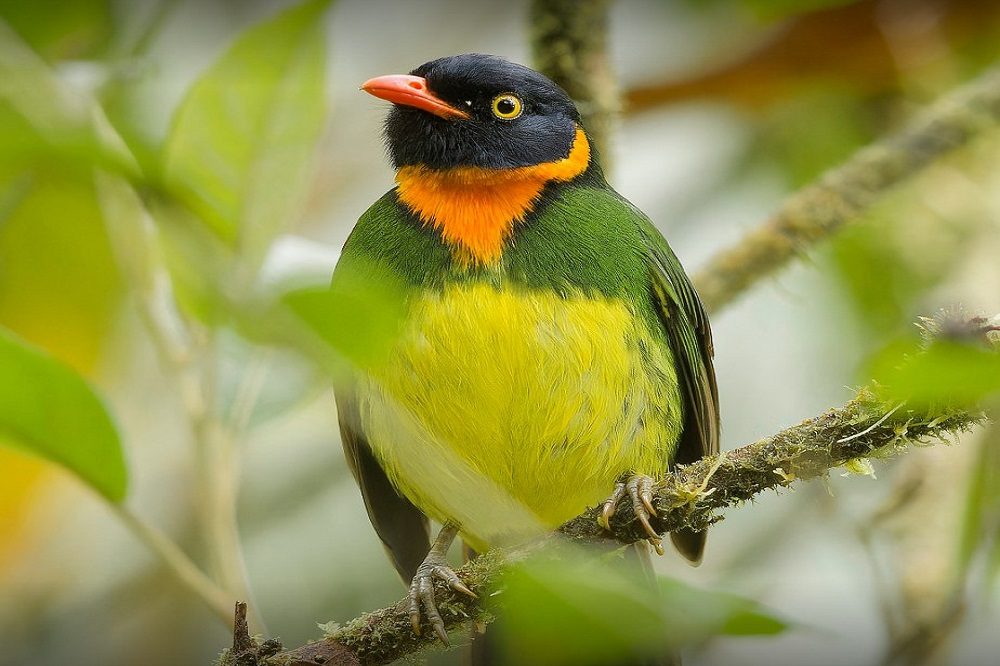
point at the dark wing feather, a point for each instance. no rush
(690, 337)
(401, 526)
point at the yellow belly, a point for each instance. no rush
(511, 411)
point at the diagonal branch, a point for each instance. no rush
(845, 193)
(690, 497)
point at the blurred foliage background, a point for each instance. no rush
(175, 174)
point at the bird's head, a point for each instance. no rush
(476, 110)
(476, 142)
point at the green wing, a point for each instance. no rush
(690, 337)
(595, 239)
(590, 237)
(401, 526)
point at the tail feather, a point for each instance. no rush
(689, 544)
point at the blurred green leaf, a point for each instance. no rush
(41, 117)
(693, 614)
(242, 142)
(885, 297)
(359, 315)
(59, 285)
(32, 88)
(813, 130)
(579, 613)
(594, 612)
(58, 29)
(199, 262)
(23, 148)
(49, 410)
(943, 372)
(888, 264)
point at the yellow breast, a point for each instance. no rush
(510, 411)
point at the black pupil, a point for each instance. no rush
(506, 106)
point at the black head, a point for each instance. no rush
(475, 110)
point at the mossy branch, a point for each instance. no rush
(569, 44)
(843, 194)
(691, 496)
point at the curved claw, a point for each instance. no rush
(422, 594)
(611, 505)
(639, 488)
(414, 610)
(454, 582)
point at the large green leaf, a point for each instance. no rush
(693, 614)
(574, 613)
(49, 410)
(60, 288)
(589, 611)
(242, 142)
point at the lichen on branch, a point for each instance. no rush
(865, 427)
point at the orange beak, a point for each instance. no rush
(411, 91)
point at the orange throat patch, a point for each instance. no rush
(475, 209)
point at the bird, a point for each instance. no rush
(548, 351)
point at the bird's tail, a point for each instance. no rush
(485, 650)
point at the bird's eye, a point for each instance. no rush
(507, 106)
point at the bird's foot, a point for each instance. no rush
(639, 488)
(435, 565)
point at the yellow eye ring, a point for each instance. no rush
(507, 106)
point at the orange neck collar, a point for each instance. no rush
(475, 209)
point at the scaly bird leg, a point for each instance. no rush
(639, 488)
(435, 565)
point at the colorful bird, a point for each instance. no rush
(550, 349)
